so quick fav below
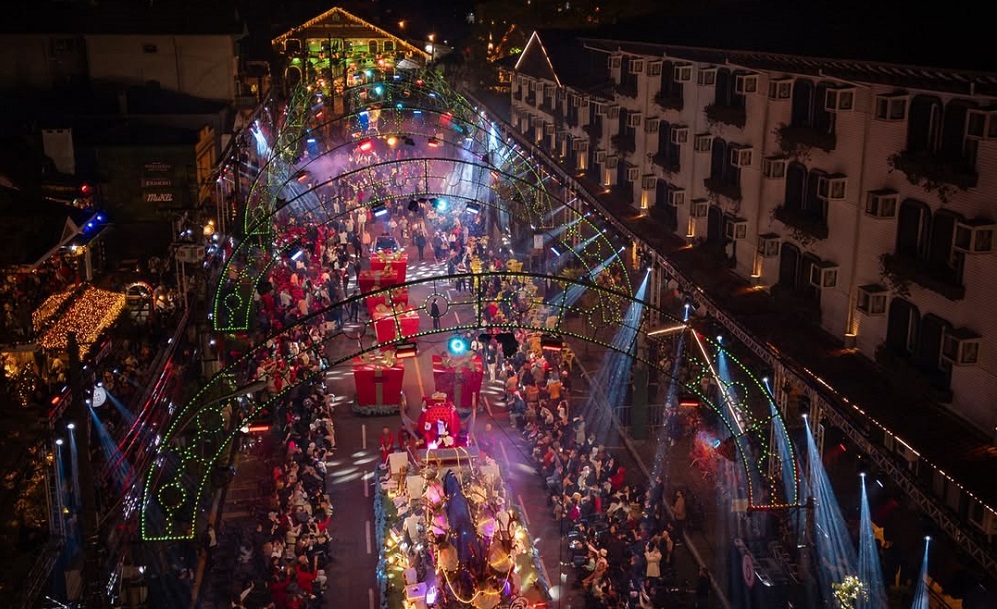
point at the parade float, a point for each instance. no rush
(450, 537)
(378, 377)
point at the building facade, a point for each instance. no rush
(859, 191)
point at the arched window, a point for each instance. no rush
(796, 184)
(719, 160)
(724, 87)
(901, 326)
(929, 343)
(955, 146)
(789, 265)
(823, 120)
(389, 46)
(912, 228)
(803, 100)
(372, 47)
(813, 205)
(924, 124)
(803, 285)
(940, 243)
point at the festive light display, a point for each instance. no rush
(88, 316)
(51, 306)
(849, 592)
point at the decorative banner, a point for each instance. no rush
(386, 324)
(375, 280)
(459, 378)
(378, 378)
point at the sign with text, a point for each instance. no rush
(157, 183)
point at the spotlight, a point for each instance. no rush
(413, 205)
(392, 140)
(71, 426)
(458, 345)
(472, 208)
(438, 204)
(433, 141)
(366, 146)
(555, 251)
(720, 338)
(380, 210)
(765, 380)
(803, 403)
(549, 342)
(296, 253)
(58, 441)
(862, 466)
(927, 537)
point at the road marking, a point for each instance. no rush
(418, 378)
(367, 531)
(370, 597)
(522, 508)
(488, 406)
(366, 485)
(363, 436)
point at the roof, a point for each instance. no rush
(176, 17)
(337, 14)
(885, 31)
(560, 56)
(32, 227)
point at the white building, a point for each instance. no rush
(862, 189)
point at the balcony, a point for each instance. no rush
(668, 102)
(593, 130)
(719, 188)
(670, 165)
(626, 89)
(900, 271)
(517, 95)
(934, 172)
(802, 221)
(905, 373)
(548, 107)
(735, 116)
(571, 120)
(796, 141)
(531, 99)
(624, 143)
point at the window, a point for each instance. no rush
(372, 47)
(654, 68)
(891, 107)
(839, 99)
(746, 83)
(584, 103)
(768, 245)
(548, 128)
(389, 46)
(683, 73)
(781, 88)
(613, 112)
(600, 156)
(831, 187)
(612, 162)
(974, 236)
(575, 101)
(736, 228)
(580, 145)
(614, 62)
(636, 66)
(706, 77)
(598, 109)
(703, 142)
(740, 156)
(913, 226)
(774, 167)
(872, 299)
(676, 197)
(881, 203)
(632, 173)
(633, 119)
(961, 347)
(651, 125)
(680, 135)
(150, 48)
(649, 182)
(924, 124)
(809, 108)
(700, 207)
(824, 274)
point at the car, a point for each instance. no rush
(386, 243)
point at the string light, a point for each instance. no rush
(88, 316)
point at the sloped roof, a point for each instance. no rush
(560, 56)
(337, 13)
(32, 227)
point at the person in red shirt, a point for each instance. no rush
(306, 581)
(387, 444)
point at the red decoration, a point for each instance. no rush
(398, 298)
(386, 324)
(459, 377)
(395, 262)
(378, 380)
(375, 280)
(438, 410)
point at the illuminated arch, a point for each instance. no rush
(202, 431)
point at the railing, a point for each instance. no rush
(799, 220)
(723, 189)
(900, 270)
(836, 408)
(735, 116)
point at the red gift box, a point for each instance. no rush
(398, 298)
(395, 262)
(386, 324)
(375, 280)
(378, 380)
(459, 377)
